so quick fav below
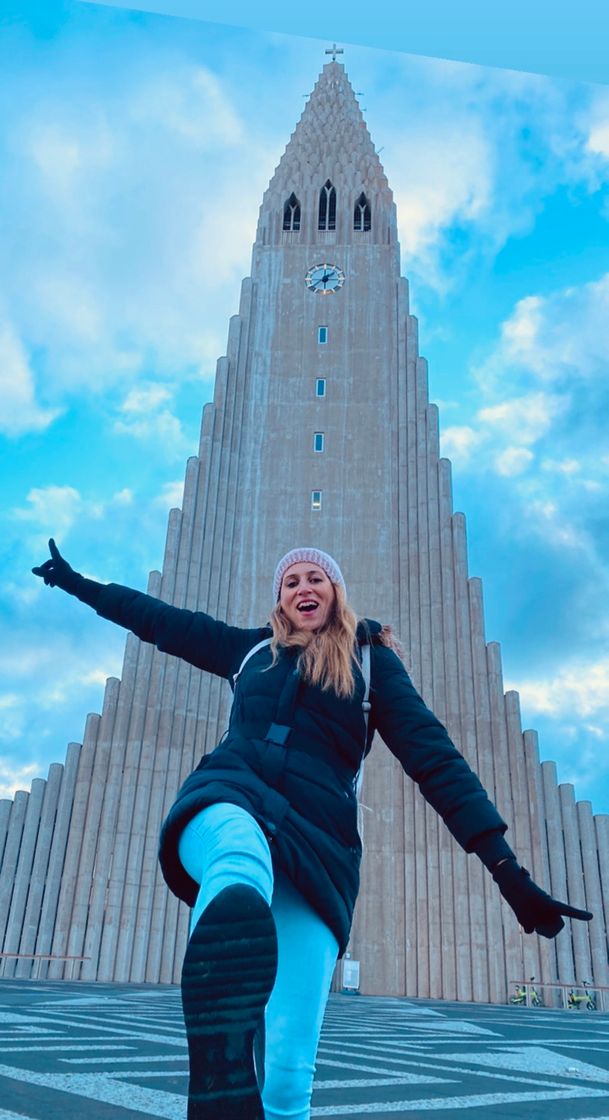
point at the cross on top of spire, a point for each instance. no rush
(334, 50)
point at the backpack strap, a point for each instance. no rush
(364, 655)
(250, 653)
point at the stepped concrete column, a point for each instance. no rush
(10, 860)
(39, 870)
(575, 880)
(558, 866)
(57, 854)
(5, 816)
(540, 864)
(78, 823)
(592, 892)
(23, 872)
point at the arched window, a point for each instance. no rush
(291, 213)
(327, 206)
(361, 214)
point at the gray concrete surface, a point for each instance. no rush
(113, 1052)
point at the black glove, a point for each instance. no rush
(56, 572)
(536, 911)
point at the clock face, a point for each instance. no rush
(324, 278)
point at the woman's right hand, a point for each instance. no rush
(56, 572)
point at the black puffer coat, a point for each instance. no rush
(292, 752)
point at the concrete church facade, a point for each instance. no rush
(320, 431)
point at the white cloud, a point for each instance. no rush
(459, 442)
(598, 126)
(449, 182)
(145, 398)
(67, 299)
(24, 594)
(523, 419)
(189, 103)
(484, 150)
(520, 421)
(12, 718)
(163, 428)
(132, 228)
(123, 497)
(13, 778)
(513, 461)
(8, 700)
(171, 496)
(95, 676)
(555, 338)
(552, 353)
(19, 412)
(53, 689)
(567, 467)
(63, 153)
(549, 520)
(580, 688)
(24, 662)
(598, 140)
(53, 509)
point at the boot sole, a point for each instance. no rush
(227, 978)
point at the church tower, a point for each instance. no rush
(320, 432)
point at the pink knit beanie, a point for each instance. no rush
(306, 555)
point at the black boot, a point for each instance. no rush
(227, 978)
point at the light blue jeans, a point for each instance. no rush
(224, 845)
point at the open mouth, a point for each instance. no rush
(306, 608)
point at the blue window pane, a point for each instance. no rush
(320, 387)
(322, 334)
(315, 499)
(318, 441)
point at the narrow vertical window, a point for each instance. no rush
(361, 214)
(327, 206)
(315, 499)
(320, 387)
(322, 334)
(291, 213)
(318, 441)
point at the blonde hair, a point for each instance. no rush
(326, 657)
(389, 638)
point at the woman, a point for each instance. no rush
(262, 839)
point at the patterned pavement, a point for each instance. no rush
(108, 1052)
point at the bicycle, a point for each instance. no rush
(587, 1000)
(520, 995)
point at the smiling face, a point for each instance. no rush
(306, 596)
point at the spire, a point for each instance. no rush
(330, 142)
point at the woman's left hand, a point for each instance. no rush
(56, 572)
(536, 910)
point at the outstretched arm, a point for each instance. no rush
(194, 636)
(428, 755)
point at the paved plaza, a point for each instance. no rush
(103, 1051)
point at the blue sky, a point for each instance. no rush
(126, 141)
